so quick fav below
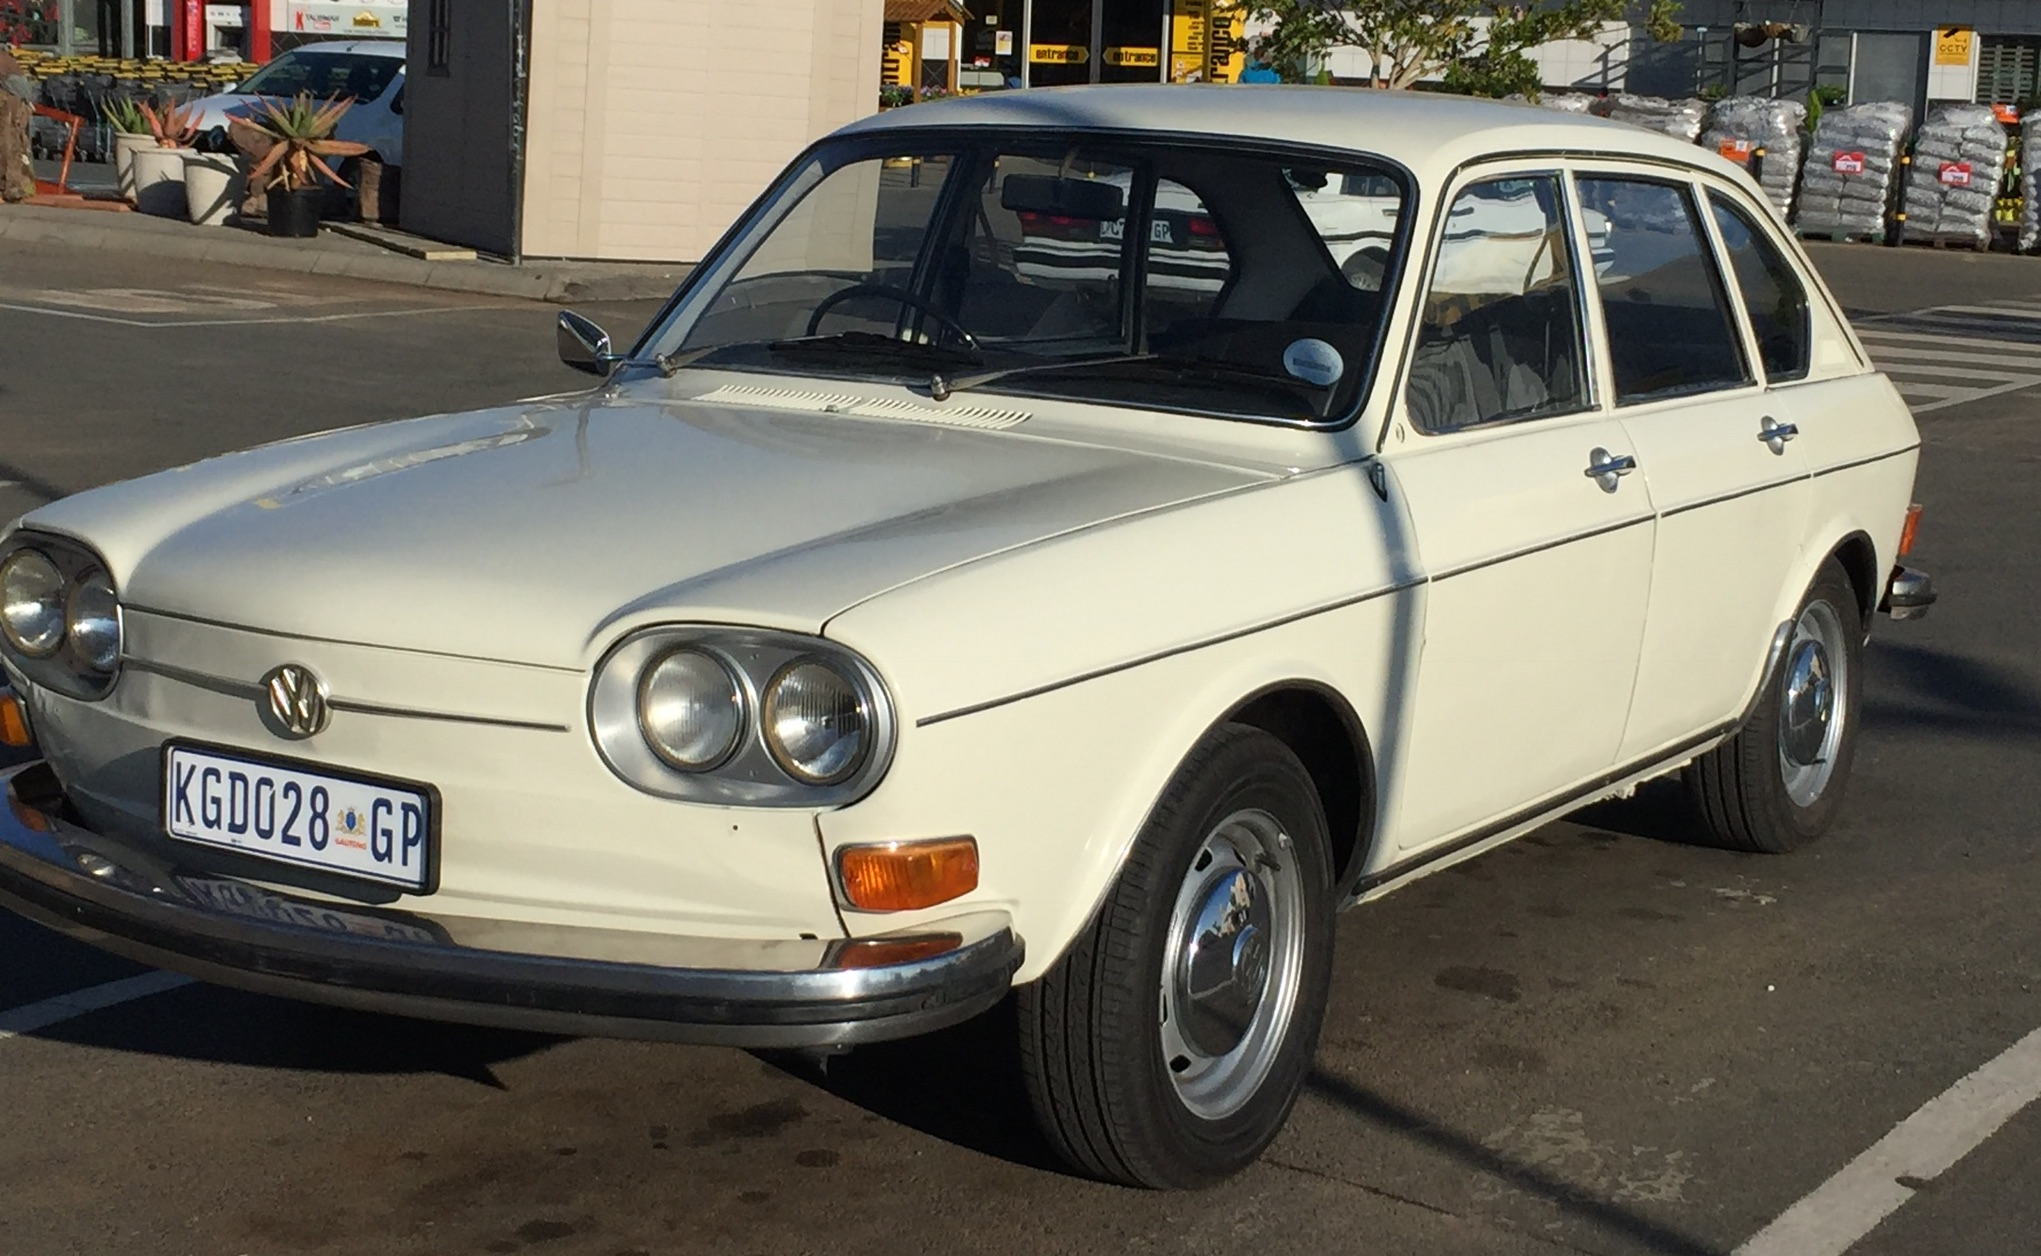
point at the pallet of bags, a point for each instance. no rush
(1742, 127)
(1568, 102)
(1959, 156)
(1680, 119)
(2030, 182)
(1849, 177)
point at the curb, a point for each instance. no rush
(555, 284)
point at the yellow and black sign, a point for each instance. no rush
(1952, 45)
(1058, 54)
(1136, 57)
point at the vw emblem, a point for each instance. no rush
(297, 698)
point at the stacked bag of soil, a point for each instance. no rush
(1743, 126)
(1958, 158)
(1568, 102)
(1680, 119)
(1849, 177)
(2030, 182)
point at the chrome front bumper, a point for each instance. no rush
(777, 993)
(1909, 594)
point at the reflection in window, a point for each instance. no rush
(1773, 299)
(1501, 334)
(1669, 325)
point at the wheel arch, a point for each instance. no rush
(1858, 555)
(1322, 729)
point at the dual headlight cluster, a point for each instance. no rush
(741, 716)
(60, 615)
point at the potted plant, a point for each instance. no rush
(159, 171)
(289, 144)
(130, 133)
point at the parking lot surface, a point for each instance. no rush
(1598, 1039)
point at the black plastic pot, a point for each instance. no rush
(295, 214)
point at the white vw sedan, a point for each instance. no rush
(903, 624)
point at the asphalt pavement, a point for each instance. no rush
(1598, 1039)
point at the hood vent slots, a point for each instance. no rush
(986, 418)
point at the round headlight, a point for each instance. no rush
(691, 710)
(32, 603)
(93, 620)
(817, 723)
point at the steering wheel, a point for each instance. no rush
(901, 295)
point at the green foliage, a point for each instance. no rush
(1408, 40)
(125, 116)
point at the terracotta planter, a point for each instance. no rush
(159, 181)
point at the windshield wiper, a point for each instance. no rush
(941, 388)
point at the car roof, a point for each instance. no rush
(1430, 132)
(366, 47)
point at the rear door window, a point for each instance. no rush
(1773, 298)
(1670, 331)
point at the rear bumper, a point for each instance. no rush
(777, 993)
(1909, 594)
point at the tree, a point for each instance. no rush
(1409, 40)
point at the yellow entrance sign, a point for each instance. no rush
(1139, 57)
(1952, 45)
(1058, 54)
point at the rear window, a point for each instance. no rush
(325, 75)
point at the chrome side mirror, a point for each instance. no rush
(585, 346)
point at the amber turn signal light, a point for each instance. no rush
(13, 721)
(887, 952)
(901, 876)
(1910, 530)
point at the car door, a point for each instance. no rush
(1534, 537)
(1713, 438)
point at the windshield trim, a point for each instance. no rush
(723, 260)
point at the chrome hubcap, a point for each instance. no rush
(1811, 710)
(1230, 974)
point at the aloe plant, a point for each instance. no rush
(291, 142)
(125, 116)
(174, 126)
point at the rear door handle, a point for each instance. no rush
(1607, 469)
(1776, 434)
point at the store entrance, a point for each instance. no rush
(1096, 41)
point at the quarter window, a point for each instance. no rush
(1668, 320)
(1773, 298)
(1501, 336)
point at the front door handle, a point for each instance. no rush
(1607, 469)
(1776, 434)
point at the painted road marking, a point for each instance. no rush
(1927, 352)
(251, 322)
(35, 1016)
(1919, 1149)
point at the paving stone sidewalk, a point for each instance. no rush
(332, 254)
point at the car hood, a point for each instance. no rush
(538, 533)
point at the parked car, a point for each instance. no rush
(369, 71)
(896, 629)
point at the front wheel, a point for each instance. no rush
(1168, 1045)
(1778, 783)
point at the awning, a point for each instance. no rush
(926, 11)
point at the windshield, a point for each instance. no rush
(1170, 276)
(325, 75)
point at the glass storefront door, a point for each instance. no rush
(1096, 41)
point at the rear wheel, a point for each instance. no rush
(1167, 1046)
(1779, 782)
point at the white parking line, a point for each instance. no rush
(248, 322)
(34, 1016)
(1918, 1150)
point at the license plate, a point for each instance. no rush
(356, 826)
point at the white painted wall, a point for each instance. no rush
(1595, 64)
(654, 123)
(1954, 82)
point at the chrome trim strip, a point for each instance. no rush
(1865, 462)
(232, 688)
(1542, 546)
(1706, 502)
(1172, 652)
(358, 645)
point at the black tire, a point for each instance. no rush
(1091, 1050)
(1739, 790)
